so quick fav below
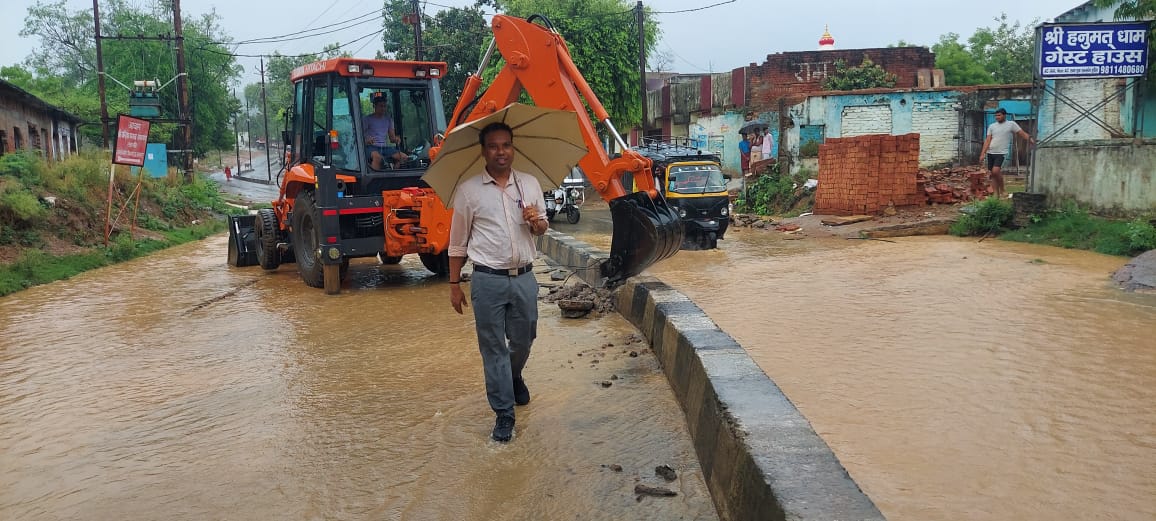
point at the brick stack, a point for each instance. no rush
(866, 174)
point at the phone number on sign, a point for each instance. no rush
(1121, 69)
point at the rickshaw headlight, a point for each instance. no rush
(724, 212)
(682, 212)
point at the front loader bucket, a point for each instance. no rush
(242, 241)
(645, 231)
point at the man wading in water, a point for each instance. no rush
(497, 213)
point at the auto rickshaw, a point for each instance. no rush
(694, 184)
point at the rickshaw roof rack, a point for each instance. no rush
(669, 148)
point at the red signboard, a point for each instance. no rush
(132, 136)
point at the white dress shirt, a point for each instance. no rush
(488, 226)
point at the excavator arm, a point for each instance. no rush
(537, 61)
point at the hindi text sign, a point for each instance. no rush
(1093, 50)
(132, 136)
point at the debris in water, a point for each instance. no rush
(647, 490)
(575, 308)
(666, 472)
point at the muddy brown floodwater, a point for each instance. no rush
(955, 380)
(174, 387)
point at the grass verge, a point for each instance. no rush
(1072, 227)
(36, 267)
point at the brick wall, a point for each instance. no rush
(864, 174)
(937, 124)
(866, 119)
(793, 73)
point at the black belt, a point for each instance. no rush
(511, 272)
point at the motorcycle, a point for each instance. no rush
(565, 199)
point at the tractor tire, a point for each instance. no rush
(306, 239)
(386, 259)
(266, 230)
(438, 263)
(572, 215)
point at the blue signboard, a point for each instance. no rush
(1096, 50)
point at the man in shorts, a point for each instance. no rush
(381, 135)
(997, 145)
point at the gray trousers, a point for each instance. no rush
(506, 318)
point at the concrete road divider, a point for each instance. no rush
(759, 455)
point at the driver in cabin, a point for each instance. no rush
(380, 134)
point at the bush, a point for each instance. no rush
(17, 202)
(83, 176)
(1142, 235)
(809, 149)
(772, 194)
(21, 165)
(989, 216)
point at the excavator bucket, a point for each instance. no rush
(645, 231)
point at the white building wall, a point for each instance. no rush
(937, 124)
(862, 120)
(1085, 94)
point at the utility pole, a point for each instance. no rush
(417, 50)
(248, 133)
(640, 20)
(237, 137)
(183, 94)
(100, 76)
(265, 113)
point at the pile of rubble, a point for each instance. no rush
(953, 185)
(602, 299)
(750, 220)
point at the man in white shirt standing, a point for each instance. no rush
(999, 140)
(497, 213)
(768, 142)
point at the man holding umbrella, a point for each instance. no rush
(498, 208)
(497, 213)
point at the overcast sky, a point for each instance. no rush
(715, 39)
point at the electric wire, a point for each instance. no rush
(705, 7)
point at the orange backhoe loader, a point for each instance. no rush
(347, 193)
(537, 61)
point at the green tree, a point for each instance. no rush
(278, 90)
(1005, 51)
(958, 65)
(1131, 9)
(866, 75)
(454, 36)
(62, 70)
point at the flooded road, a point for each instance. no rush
(174, 387)
(955, 380)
